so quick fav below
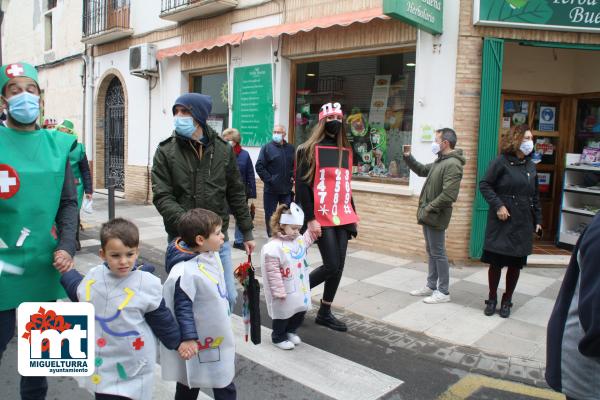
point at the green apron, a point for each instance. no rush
(75, 156)
(38, 158)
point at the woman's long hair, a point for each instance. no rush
(510, 141)
(306, 151)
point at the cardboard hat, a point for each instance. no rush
(295, 218)
(9, 71)
(330, 109)
(68, 125)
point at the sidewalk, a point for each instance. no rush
(377, 287)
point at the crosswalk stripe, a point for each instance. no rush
(317, 369)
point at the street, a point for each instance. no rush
(374, 360)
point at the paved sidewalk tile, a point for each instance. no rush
(400, 278)
(498, 343)
(381, 258)
(318, 291)
(452, 328)
(536, 311)
(419, 316)
(528, 284)
(522, 330)
(361, 269)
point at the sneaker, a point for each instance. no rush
(285, 345)
(425, 291)
(295, 339)
(437, 297)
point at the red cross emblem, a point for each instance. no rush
(138, 344)
(9, 182)
(14, 70)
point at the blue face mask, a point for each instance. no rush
(24, 107)
(277, 137)
(185, 126)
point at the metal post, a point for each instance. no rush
(111, 197)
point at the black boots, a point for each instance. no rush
(490, 307)
(326, 318)
(505, 307)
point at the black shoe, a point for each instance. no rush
(505, 309)
(490, 307)
(239, 246)
(326, 318)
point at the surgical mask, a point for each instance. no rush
(435, 148)
(526, 147)
(24, 107)
(333, 127)
(185, 126)
(230, 143)
(277, 137)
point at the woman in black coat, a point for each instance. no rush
(511, 189)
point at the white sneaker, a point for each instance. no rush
(437, 297)
(295, 339)
(424, 291)
(285, 345)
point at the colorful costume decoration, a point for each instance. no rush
(287, 285)
(203, 281)
(331, 187)
(32, 168)
(125, 343)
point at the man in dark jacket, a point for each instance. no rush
(195, 168)
(275, 167)
(439, 192)
(573, 343)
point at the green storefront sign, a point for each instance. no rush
(561, 15)
(253, 104)
(424, 14)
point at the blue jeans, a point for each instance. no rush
(225, 255)
(239, 237)
(270, 202)
(32, 387)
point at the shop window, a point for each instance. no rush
(376, 94)
(215, 86)
(587, 134)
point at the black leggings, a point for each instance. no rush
(333, 244)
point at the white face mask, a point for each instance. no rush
(526, 147)
(435, 148)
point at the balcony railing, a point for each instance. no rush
(180, 10)
(105, 20)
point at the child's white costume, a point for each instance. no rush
(125, 344)
(285, 270)
(203, 281)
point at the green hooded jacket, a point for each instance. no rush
(441, 187)
(187, 175)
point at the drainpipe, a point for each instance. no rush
(88, 108)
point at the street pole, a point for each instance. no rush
(111, 198)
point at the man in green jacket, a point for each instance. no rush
(439, 192)
(195, 168)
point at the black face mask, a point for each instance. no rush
(333, 127)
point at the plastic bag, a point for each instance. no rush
(87, 206)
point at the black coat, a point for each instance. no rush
(275, 167)
(512, 183)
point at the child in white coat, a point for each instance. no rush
(285, 275)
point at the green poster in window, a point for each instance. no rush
(253, 104)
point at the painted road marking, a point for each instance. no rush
(317, 369)
(468, 385)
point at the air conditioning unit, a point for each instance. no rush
(142, 59)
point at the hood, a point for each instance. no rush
(456, 153)
(177, 252)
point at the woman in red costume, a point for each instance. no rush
(323, 190)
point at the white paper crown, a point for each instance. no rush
(295, 218)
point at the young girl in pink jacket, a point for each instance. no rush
(285, 275)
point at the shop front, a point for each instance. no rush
(539, 63)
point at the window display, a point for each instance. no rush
(215, 85)
(376, 94)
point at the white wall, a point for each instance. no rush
(137, 101)
(145, 16)
(547, 70)
(435, 80)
